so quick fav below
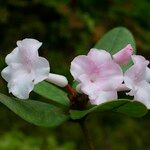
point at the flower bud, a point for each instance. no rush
(58, 80)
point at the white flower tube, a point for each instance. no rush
(57, 79)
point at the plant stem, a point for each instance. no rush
(86, 134)
(71, 90)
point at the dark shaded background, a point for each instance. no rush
(68, 28)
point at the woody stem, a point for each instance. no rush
(87, 136)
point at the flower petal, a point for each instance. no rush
(104, 96)
(147, 74)
(95, 90)
(25, 53)
(6, 73)
(138, 60)
(81, 65)
(111, 75)
(20, 82)
(41, 69)
(124, 55)
(29, 44)
(136, 73)
(99, 56)
(13, 57)
(143, 94)
(90, 88)
(21, 87)
(28, 51)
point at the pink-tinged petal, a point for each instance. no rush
(124, 55)
(90, 89)
(109, 78)
(136, 73)
(20, 82)
(25, 53)
(28, 44)
(143, 94)
(28, 51)
(95, 91)
(41, 69)
(13, 57)
(21, 86)
(139, 60)
(99, 56)
(111, 75)
(6, 73)
(147, 74)
(84, 79)
(104, 96)
(81, 65)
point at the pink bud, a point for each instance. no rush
(124, 55)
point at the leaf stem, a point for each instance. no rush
(87, 136)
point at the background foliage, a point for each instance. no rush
(68, 28)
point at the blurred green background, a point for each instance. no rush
(68, 28)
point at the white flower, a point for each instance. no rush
(98, 75)
(137, 79)
(25, 68)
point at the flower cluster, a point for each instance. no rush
(99, 75)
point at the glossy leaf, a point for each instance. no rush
(131, 108)
(134, 109)
(115, 40)
(50, 91)
(35, 112)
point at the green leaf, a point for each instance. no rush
(38, 113)
(134, 109)
(50, 91)
(115, 40)
(128, 107)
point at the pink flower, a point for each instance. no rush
(98, 75)
(137, 79)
